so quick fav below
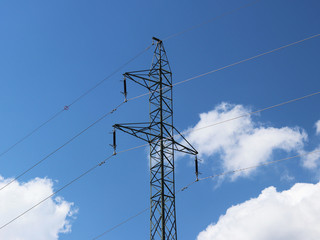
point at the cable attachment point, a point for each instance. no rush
(125, 89)
(154, 39)
(113, 110)
(184, 189)
(196, 168)
(114, 144)
(103, 162)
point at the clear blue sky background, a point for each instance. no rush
(53, 51)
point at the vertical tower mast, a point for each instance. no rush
(162, 198)
(159, 133)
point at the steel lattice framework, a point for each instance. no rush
(160, 133)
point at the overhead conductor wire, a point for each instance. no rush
(67, 107)
(63, 145)
(69, 183)
(230, 65)
(248, 168)
(121, 223)
(257, 111)
(54, 193)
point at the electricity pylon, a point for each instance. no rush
(160, 133)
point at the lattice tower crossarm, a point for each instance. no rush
(160, 133)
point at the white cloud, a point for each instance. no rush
(257, 146)
(292, 214)
(318, 127)
(286, 177)
(43, 222)
(241, 143)
(311, 161)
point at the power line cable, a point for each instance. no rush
(211, 20)
(257, 111)
(67, 107)
(248, 168)
(54, 193)
(31, 133)
(248, 59)
(121, 223)
(61, 146)
(230, 65)
(69, 183)
(202, 179)
(114, 72)
(253, 112)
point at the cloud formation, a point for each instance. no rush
(318, 127)
(312, 161)
(44, 222)
(241, 143)
(291, 214)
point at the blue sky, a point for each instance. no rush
(53, 51)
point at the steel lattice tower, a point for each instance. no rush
(160, 133)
